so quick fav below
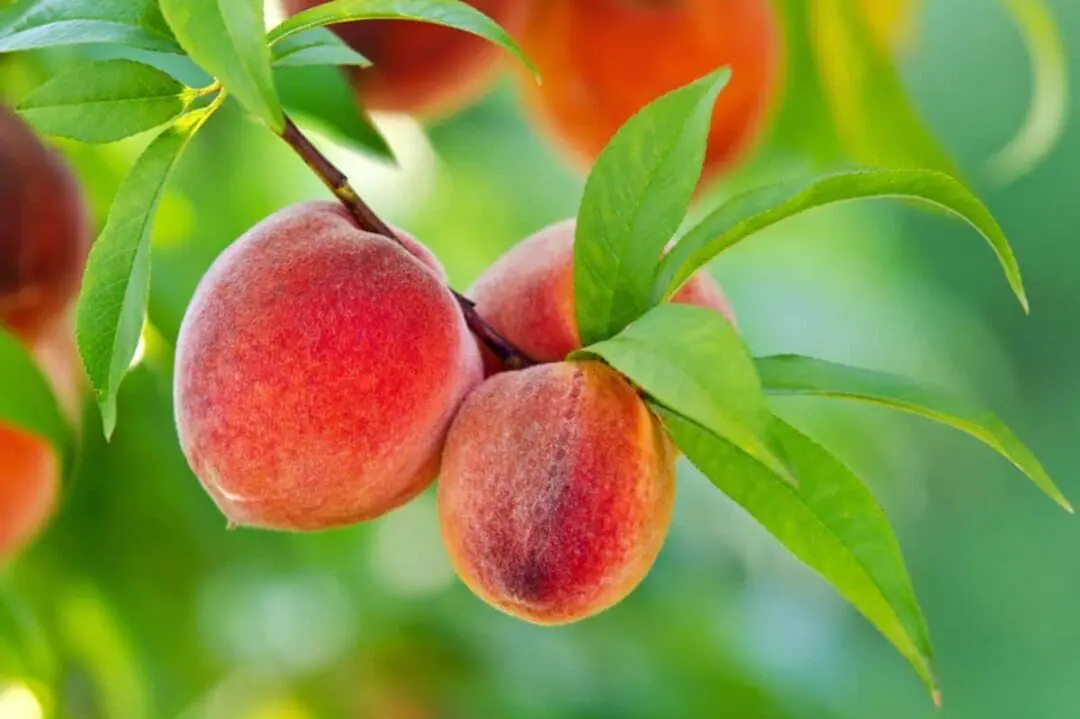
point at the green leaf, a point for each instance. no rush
(30, 24)
(869, 105)
(692, 361)
(791, 374)
(831, 522)
(316, 47)
(1048, 112)
(758, 209)
(635, 199)
(106, 101)
(228, 40)
(322, 97)
(27, 401)
(449, 13)
(116, 286)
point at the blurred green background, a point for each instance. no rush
(137, 602)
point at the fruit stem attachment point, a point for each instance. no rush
(338, 183)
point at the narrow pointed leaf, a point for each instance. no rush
(635, 199)
(227, 38)
(690, 360)
(105, 101)
(449, 13)
(116, 286)
(32, 24)
(874, 116)
(831, 522)
(792, 374)
(759, 209)
(316, 47)
(1048, 111)
(27, 401)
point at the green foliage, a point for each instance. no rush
(316, 47)
(690, 360)
(830, 522)
(635, 199)
(31, 24)
(106, 101)
(116, 286)
(758, 209)
(28, 402)
(226, 38)
(804, 375)
(449, 13)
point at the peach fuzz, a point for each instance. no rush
(528, 295)
(318, 369)
(44, 230)
(604, 60)
(420, 68)
(556, 492)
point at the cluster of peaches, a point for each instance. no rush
(326, 375)
(44, 242)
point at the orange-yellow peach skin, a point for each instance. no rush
(420, 68)
(318, 369)
(528, 295)
(556, 491)
(604, 60)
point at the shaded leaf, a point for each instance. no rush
(635, 199)
(116, 285)
(758, 209)
(792, 374)
(831, 522)
(106, 101)
(27, 401)
(690, 360)
(316, 47)
(30, 24)
(227, 38)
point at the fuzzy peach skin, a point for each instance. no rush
(29, 469)
(420, 68)
(528, 295)
(556, 491)
(44, 230)
(318, 368)
(604, 60)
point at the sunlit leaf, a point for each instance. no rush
(635, 199)
(874, 116)
(227, 39)
(692, 361)
(116, 285)
(804, 375)
(758, 209)
(316, 47)
(30, 24)
(105, 101)
(1048, 111)
(831, 522)
(449, 13)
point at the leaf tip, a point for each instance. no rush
(107, 406)
(935, 696)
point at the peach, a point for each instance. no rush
(318, 368)
(556, 491)
(528, 295)
(420, 68)
(604, 60)
(44, 230)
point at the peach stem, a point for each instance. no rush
(338, 183)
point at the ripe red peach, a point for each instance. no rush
(44, 230)
(420, 68)
(556, 491)
(318, 369)
(604, 60)
(528, 295)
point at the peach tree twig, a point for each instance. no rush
(338, 183)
